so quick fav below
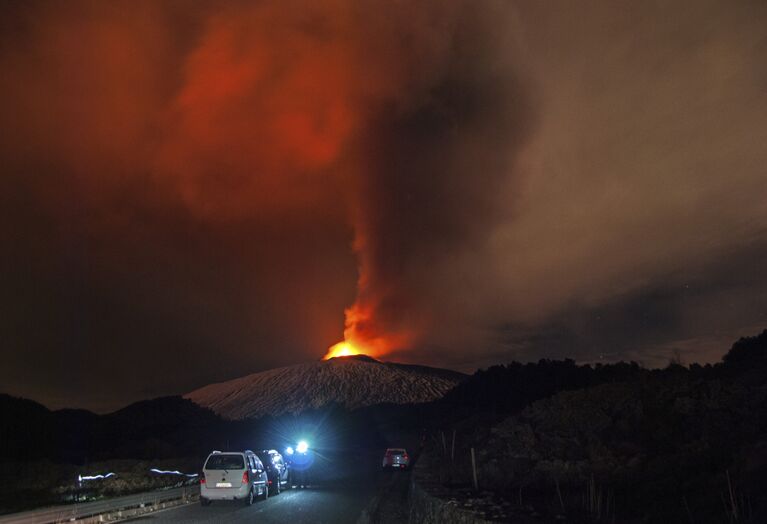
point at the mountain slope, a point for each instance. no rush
(350, 381)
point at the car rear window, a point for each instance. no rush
(225, 462)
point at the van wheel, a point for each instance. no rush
(276, 485)
(266, 492)
(249, 500)
(204, 502)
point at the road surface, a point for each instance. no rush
(325, 504)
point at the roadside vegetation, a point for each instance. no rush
(615, 443)
(44, 483)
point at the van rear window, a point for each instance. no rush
(225, 462)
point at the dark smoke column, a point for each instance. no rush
(436, 161)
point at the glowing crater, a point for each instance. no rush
(342, 349)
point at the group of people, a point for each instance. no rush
(299, 461)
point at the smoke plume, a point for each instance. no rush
(209, 186)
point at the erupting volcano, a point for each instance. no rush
(342, 349)
(362, 337)
(352, 345)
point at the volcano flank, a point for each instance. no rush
(353, 382)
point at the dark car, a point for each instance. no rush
(276, 470)
(396, 458)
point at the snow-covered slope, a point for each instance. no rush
(351, 381)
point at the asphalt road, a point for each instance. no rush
(342, 502)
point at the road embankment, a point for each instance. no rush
(428, 509)
(119, 508)
(404, 496)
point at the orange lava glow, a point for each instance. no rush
(362, 337)
(342, 349)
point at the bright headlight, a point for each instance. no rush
(302, 447)
(289, 450)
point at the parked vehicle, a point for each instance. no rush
(276, 470)
(236, 475)
(396, 458)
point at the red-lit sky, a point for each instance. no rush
(193, 191)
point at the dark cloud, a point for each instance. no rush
(430, 196)
(189, 191)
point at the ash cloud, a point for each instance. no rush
(194, 191)
(429, 196)
(184, 182)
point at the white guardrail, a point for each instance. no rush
(74, 512)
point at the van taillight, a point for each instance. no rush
(245, 479)
(202, 479)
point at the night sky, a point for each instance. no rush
(191, 192)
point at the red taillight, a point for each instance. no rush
(270, 482)
(404, 456)
(202, 479)
(245, 478)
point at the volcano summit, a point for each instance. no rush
(353, 382)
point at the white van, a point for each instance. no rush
(237, 475)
